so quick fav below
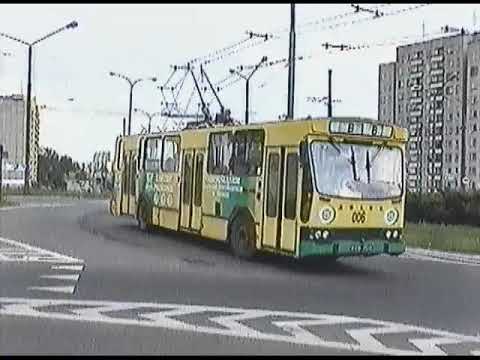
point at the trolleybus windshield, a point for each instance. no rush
(357, 171)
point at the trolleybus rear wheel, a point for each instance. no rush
(242, 237)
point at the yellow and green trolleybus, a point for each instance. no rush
(317, 187)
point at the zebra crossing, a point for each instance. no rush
(17, 251)
(321, 330)
(64, 281)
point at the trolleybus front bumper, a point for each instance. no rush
(350, 243)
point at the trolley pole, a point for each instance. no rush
(124, 125)
(291, 63)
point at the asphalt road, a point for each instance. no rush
(75, 280)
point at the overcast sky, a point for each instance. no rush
(144, 40)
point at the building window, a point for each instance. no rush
(474, 142)
(400, 84)
(474, 71)
(475, 113)
(449, 90)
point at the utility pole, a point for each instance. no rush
(291, 63)
(1, 171)
(329, 93)
(27, 125)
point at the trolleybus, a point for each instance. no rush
(332, 187)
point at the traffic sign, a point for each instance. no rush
(465, 180)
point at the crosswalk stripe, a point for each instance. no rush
(61, 277)
(67, 267)
(61, 289)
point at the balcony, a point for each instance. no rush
(416, 62)
(416, 100)
(436, 85)
(437, 58)
(416, 74)
(416, 113)
(437, 72)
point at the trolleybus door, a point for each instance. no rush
(187, 189)
(280, 196)
(196, 221)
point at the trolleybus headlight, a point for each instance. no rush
(395, 234)
(318, 234)
(391, 217)
(388, 234)
(325, 234)
(327, 214)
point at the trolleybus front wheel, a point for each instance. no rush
(242, 237)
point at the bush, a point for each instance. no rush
(451, 207)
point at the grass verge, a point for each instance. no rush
(455, 238)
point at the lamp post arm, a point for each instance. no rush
(14, 39)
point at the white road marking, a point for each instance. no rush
(434, 259)
(67, 267)
(61, 277)
(62, 289)
(32, 205)
(20, 252)
(424, 339)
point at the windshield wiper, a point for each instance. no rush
(353, 162)
(335, 146)
(368, 166)
(380, 148)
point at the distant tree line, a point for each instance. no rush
(53, 170)
(450, 207)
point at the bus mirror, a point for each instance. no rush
(259, 170)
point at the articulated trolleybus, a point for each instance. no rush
(318, 187)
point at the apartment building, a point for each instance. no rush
(12, 132)
(431, 89)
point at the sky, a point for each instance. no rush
(85, 106)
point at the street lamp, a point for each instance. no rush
(71, 25)
(247, 83)
(132, 84)
(150, 117)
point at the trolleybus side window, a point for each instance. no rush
(248, 152)
(153, 148)
(220, 153)
(171, 150)
(272, 185)
(291, 186)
